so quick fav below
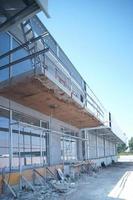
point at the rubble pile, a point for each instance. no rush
(59, 186)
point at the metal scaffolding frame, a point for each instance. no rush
(43, 130)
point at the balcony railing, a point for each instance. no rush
(55, 63)
(117, 130)
(52, 64)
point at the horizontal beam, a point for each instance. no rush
(24, 58)
(50, 131)
(24, 45)
(19, 17)
(96, 128)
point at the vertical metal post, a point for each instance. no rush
(10, 56)
(10, 139)
(86, 145)
(47, 136)
(31, 147)
(43, 145)
(76, 146)
(24, 147)
(104, 147)
(19, 144)
(63, 151)
(96, 146)
(115, 149)
(41, 138)
(19, 154)
(49, 139)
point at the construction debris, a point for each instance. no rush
(60, 174)
(55, 186)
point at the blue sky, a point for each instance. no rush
(97, 36)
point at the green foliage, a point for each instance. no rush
(125, 153)
(121, 148)
(130, 143)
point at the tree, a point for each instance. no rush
(121, 148)
(130, 143)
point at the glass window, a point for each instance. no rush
(4, 47)
(22, 66)
(45, 124)
(91, 145)
(4, 138)
(29, 146)
(100, 147)
(107, 148)
(68, 148)
(17, 116)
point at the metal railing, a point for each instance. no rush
(117, 130)
(83, 95)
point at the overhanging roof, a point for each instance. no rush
(28, 90)
(12, 12)
(106, 132)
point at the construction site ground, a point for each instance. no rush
(114, 182)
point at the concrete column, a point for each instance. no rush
(104, 147)
(54, 145)
(54, 149)
(97, 153)
(87, 145)
(80, 147)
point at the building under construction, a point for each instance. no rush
(49, 116)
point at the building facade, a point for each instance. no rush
(48, 114)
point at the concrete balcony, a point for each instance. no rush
(47, 81)
(51, 90)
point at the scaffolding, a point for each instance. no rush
(19, 128)
(42, 131)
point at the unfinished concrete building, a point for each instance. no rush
(48, 114)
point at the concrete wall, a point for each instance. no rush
(79, 147)
(100, 146)
(106, 160)
(100, 149)
(92, 146)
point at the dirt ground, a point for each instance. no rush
(114, 182)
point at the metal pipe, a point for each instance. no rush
(50, 131)
(19, 154)
(24, 58)
(10, 140)
(23, 45)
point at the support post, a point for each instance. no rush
(19, 154)
(10, 140)
(10, 188)
(28, 183)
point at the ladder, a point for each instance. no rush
(29, 34)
